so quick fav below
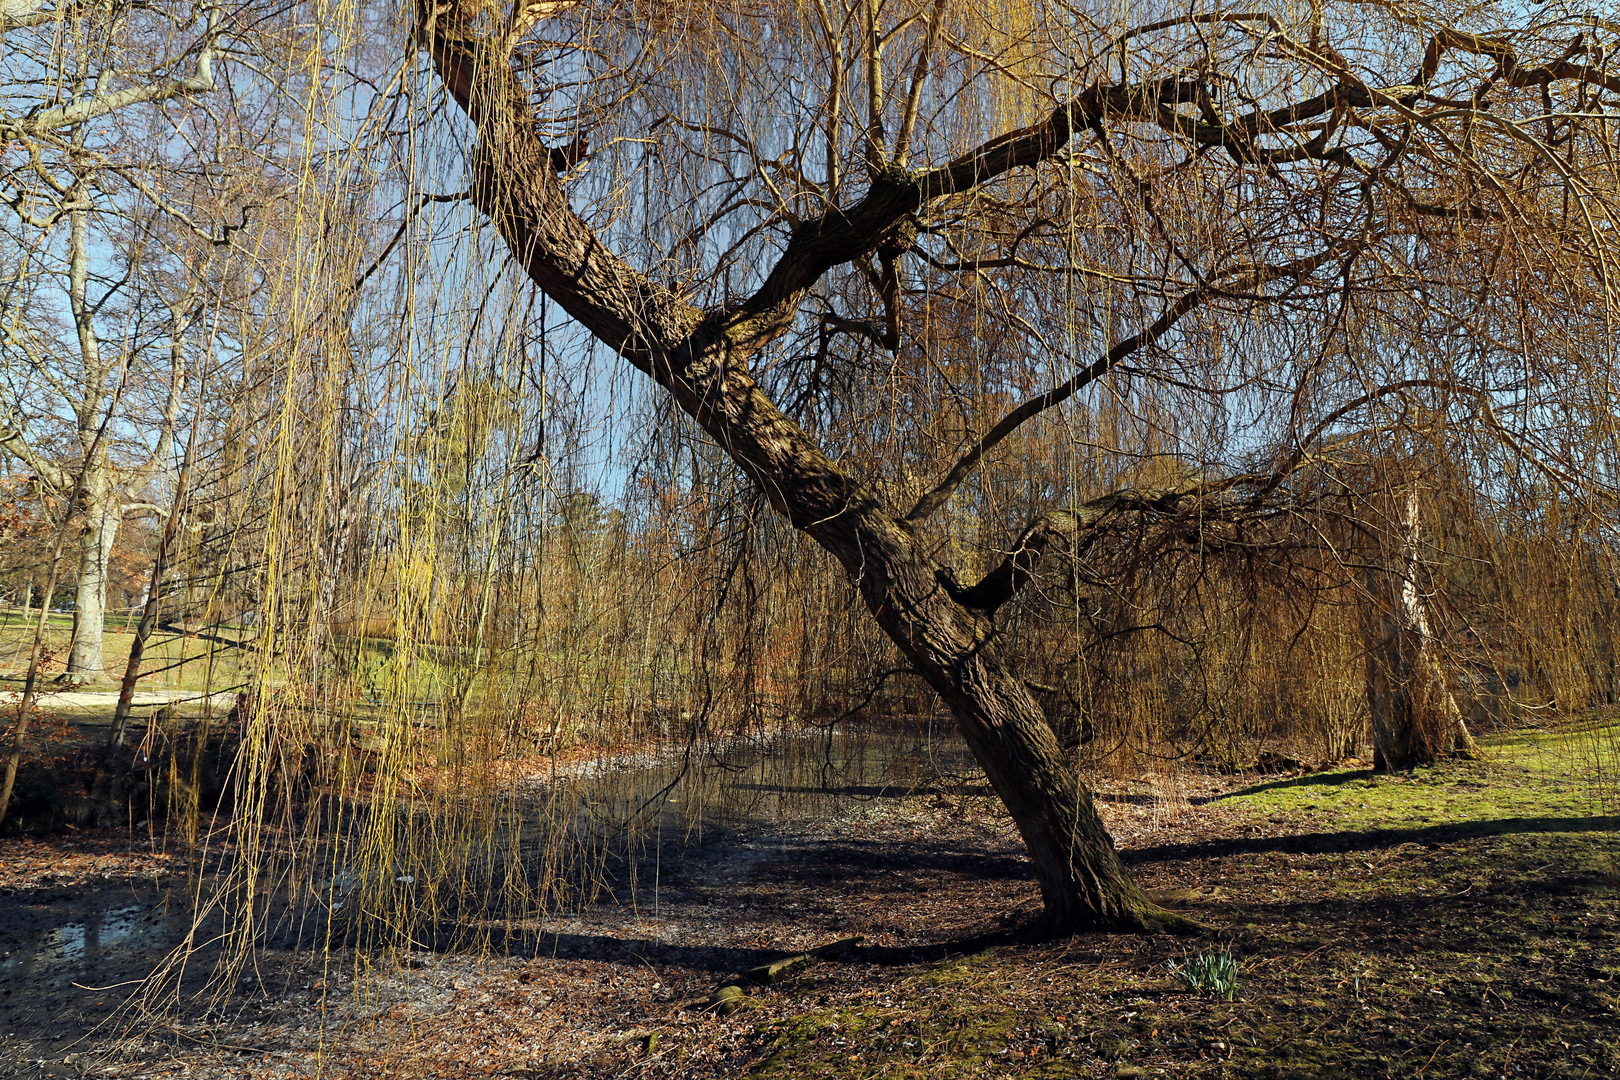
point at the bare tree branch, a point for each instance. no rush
(49, 121)
(1243, 280)
(15, 443)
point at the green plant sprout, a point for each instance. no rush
(1213, 973)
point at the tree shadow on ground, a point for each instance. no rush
(1330, 779)
(902, 791)
(729, 961)
(846, 860)
(793, 882)
(1367, 839)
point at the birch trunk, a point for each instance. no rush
(1415, 718)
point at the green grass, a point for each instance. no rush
(170, 662)
(1461, 921)
(1525, 776)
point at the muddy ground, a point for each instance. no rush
(1458, 922)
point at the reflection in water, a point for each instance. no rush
(80, 944)
(579, 833)
(560, 839)
(759, 780)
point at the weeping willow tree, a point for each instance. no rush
(1118, 382)
(866, 247)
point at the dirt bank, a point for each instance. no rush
(1461, 922)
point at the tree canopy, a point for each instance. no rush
(869, 246)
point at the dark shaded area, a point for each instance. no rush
(1326, 779)
(741, 874)
(731, 963)
(1498, 933)
(1480, 949)
(873, 791)
(94, 787)
(1367, 839)
(71, 956)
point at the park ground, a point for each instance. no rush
(185, 669)
(1462, 921)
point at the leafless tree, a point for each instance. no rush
(132, 180)
(1259, 212)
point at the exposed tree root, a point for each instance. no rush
(1142, 917)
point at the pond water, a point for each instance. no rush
(76, 944)
(70, 955)
(760, 779)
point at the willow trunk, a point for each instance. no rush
(702, 359)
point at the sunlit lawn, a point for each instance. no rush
(171, 661)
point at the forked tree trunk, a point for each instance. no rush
(1415, 718)
(701, 358)
(1084, 885)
